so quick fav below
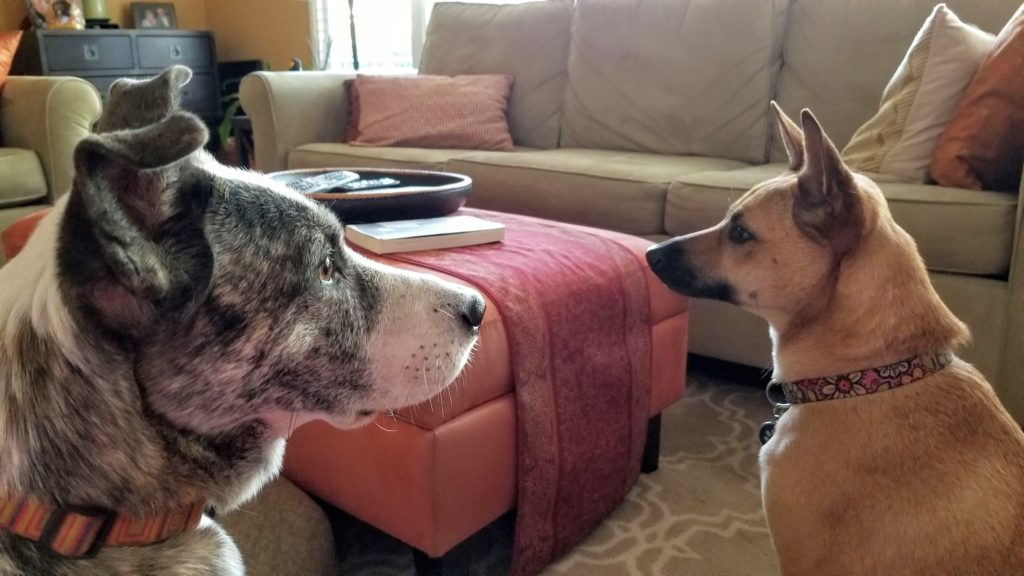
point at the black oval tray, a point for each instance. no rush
(420, 194)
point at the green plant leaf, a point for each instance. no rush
(224, 130)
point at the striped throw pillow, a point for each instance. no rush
(920, 98)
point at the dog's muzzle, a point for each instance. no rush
(670, 264)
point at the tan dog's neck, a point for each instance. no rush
(881, 309)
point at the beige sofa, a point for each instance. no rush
(650, 117)
(41, 121)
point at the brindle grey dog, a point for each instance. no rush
(171, 319)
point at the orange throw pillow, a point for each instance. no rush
(466, 112)
(982, 147)
(8, 46)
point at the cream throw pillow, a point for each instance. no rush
(920, 98)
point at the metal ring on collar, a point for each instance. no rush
(776, 395)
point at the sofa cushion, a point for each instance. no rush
(840, 54)
(983, 145)
(623, 191)
(337, 155)
(22, 180)
(8, 46)
(528, 41)
(643, 76)
(430, 111)
(956, 230)
(920, 98)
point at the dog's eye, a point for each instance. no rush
(739, 235)
(327, 270)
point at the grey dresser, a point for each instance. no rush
(103, 56)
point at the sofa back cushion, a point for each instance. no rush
(529, 41)
(673, 76)
(840, 54)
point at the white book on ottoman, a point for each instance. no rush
(424, 234)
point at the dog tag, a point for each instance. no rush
(777, 398)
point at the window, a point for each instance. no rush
(389, 33)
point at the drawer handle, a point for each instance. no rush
(176, 52)
(91, 52)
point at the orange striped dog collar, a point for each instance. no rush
(79, 532)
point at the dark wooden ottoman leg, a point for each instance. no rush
(652, 446)
(448, 565)
(427, 566)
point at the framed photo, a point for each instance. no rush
(154, 15)
(56, 14)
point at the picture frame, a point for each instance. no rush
(154, 16)
(55, 14)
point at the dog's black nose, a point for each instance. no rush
(659, 255)
(473, 311)
(655, 257)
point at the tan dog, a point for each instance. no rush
(923, 478)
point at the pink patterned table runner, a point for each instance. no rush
(576, 309)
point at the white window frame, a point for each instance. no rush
(320, 11)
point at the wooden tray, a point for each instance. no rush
(420, 194)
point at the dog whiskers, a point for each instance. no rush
(291, 425)
(451, 399)
(378, 425)
(426, 387)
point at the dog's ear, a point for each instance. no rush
(792, 137)
(137, 103)
(114, 239)
(826, 206)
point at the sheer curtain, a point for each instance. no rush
(389, 33)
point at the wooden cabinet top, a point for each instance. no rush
(129, 52)
(103, 56)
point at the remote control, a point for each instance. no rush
(368, 184)
(323, 182)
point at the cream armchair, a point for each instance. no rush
(41, 121)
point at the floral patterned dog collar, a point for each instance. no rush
(865, 382)
(860, 383)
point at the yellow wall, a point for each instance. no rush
(270, 30)
(11, 14)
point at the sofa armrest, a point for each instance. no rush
(288, 109)
(49, 115)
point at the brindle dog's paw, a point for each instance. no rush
(139, 103)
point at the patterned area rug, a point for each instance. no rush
(698, 515)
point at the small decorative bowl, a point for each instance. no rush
(419, 194)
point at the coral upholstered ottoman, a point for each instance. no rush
(435, 474)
